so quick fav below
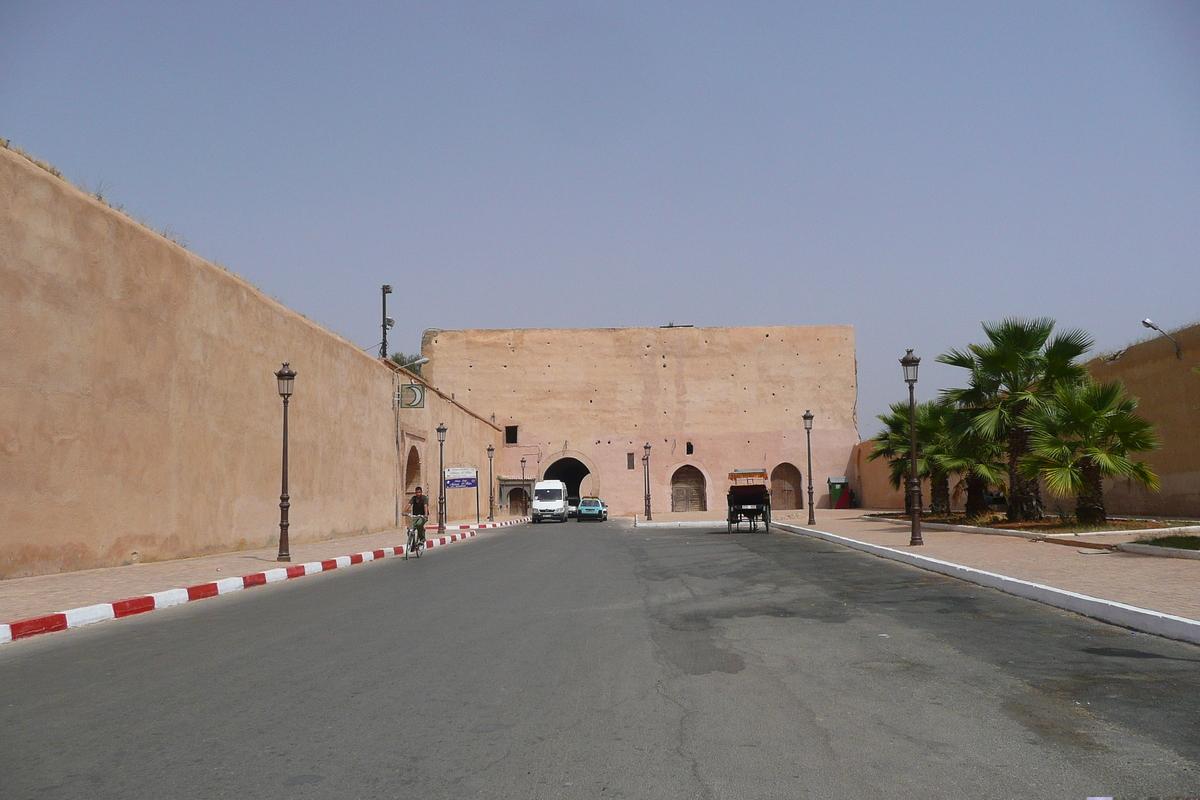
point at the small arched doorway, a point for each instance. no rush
(785, 488)
(518, 502)
(412, 471)
(570, 471)
(688, 490)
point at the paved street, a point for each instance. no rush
(597, 660)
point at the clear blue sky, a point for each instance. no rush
(907, 168)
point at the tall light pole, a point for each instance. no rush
(524, 489)
(285, 377)
(491, 486)
(646, 470)
(387, 323)
(910, 363)
(1149, 324)
(808, 421)
(441, 434)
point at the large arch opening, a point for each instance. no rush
(785, 488)
(688, 491)
(412, 471)
(572, 472)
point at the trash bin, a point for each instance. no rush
(839, 493)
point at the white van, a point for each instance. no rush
(550, 501)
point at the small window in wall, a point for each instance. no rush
(510, 434)
(690, 449)
(629, 461)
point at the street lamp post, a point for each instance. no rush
(491, 486)
(441, 434)
(524, 489)
(285, 377)
(386, 289)
(910, 363)
(646, 470)
(1150, 324)
(808, 421)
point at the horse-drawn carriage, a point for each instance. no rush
(749, 499)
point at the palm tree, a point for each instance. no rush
(979, 460)
(1015, 371)
(893, 443)
(1083, 436)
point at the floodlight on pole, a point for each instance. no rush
(387, 321)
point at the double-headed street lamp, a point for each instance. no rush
(808, 421)
(285, 377)
(524, 488)
(441, 434)
(646, 470)
(491, 487)
(910, 363)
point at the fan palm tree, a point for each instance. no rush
(1015, 371)
(893, 443)
(1084, 435)
(979, 460)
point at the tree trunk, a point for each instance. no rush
(1024, 497)
(976, 504)
(939, 494)
(1089, 506)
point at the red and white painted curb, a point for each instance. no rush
(481, 527)
(78, 617)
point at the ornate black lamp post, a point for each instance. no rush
(646, 470)
(524, 488)
(910, 364)
(808, 420)
(286, 377)
(441, 434)
(387, 323)
(491, 486)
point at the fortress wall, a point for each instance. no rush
(1168, 391)
(737, 394)
(139, 416)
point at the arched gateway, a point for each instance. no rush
(412, 471)
(570, 471)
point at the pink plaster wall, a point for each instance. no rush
(139, 416)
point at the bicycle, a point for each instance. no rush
(415, 544)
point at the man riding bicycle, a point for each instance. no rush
(419, 508)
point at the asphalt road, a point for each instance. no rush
(592, 660)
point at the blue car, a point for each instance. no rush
(592, 508)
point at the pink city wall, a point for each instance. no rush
(139, 416)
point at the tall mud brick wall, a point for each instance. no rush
(139, 415)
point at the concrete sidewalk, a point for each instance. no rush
(23, 598)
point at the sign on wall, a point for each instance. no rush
(411, 395)
(461, 477)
